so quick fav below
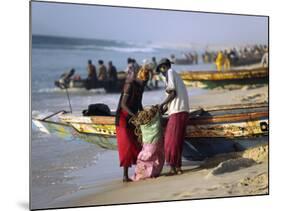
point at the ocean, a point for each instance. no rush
(57, 165)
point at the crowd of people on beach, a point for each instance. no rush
(225, 58)
(156, 148)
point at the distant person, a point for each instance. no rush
(65, 78)
(148, 66)
(196, 57)
(154, 63)
(136, 64)
(155, 75)
(102, 71)
(112, 72)
(264, 60)
(233, 56)
(130, 70)
(133, 61)
(147, 63)
(206, 57)
(226, 63)
(177, 106)
(129, 60)
(219, 61)
(92, 73)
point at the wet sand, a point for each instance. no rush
(222, 176)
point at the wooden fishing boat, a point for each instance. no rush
(241, 61)
(68, 81)
(211, 79)
(216, 123)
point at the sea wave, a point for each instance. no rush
(49, 90)
(97, 48)
(131, 50)
(71, 90)
(64, 43)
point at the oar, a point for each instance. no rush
(47, 117)
(68, 100)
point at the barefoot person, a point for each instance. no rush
(177, 106)
(151, 158)
(129, 104)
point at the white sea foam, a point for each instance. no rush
(71, 90)
(131, 49)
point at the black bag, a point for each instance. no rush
(98, 109)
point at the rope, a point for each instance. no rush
(142, 118)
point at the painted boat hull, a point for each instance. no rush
(211, 79)
(217, 123)
(221, 122)
(193, 149)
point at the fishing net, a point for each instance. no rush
(147, 123)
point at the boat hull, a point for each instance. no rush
(193, 149)
(212, 79)
(219, 129)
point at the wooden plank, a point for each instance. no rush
(228, 118)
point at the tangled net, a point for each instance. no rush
(142, 118)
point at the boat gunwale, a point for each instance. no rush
(97, 120)
(114, 135)
(52, 122)
(228, 75)
(261, 69)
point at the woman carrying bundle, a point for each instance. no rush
(129, 104)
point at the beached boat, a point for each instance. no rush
(110, 86)
(211, 79)
(234, 124)
(182, 61)
(68, 81)
(241, 61)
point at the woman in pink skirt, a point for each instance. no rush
(151, 158)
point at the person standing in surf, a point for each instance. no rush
(130, 103)
(177, 106)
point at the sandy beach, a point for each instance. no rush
(232, 95)
(236, 174)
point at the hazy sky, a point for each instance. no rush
(143, 25)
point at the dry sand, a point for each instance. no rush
(232, 95)
(236, 179)
(235, 174)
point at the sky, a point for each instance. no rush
(147, 25)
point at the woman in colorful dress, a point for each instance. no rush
(151, 158)
(129, 104)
